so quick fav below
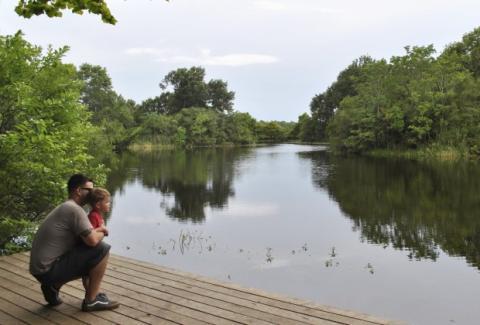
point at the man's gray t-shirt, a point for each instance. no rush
(59, 233)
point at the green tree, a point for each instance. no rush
(200, 125)
(240, 128)
(219, 98)
(468, 51)
(185, 88)
(323, 106)
(53, 8)
(271, 131)
(97, 91)
(159, 128)
(305, 128)
(44, 131)
(110, 111)
(189, 89)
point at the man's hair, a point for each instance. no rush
(76, 181)
(97, 195)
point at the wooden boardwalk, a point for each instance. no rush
(151, 294)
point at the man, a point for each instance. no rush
(66, 247)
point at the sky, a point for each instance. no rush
(275, 55)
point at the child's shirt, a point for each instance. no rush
(95, 218)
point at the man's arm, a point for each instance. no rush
(95, 236)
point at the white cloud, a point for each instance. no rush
(293, 7)
(270, 5)
(143, 50)
(204, 57)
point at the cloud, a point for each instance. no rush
(270, 5)
(204, 57)
(293, 7)
(143, 50)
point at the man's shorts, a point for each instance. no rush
(76, 263)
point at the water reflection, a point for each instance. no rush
(414, 206)
(189, 180)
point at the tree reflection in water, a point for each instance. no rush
(420, 207)
(196, 179)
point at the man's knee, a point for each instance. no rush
(101, 253)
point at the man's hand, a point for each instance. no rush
(95, 236)
(103, 229)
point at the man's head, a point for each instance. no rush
(79, 186)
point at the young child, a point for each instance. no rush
(99, 200)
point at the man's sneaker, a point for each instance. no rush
(101, 302)
(50, 293)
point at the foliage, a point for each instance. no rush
(53, 8)
(273, 131)
(189, 89)
(15, 235)
(44, 130)
(414, 101)
(304, 129)
(324, 105)
(110, 111)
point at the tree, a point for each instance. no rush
(200, 125)
(240, 128)
(219, 98)
(44, 132)
(110, 111)
(468, 51)
(306, 128)
(156, 104)
(189, 89)
(324, 105)
(185, 88)
(97, 91)
(53, 8)
(271, 131)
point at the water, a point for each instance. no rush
(391, 238)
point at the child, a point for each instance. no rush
(99, 200)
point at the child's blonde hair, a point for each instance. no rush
(97, 195)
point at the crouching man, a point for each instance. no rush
(66, 247)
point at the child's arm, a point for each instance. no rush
(103, 229)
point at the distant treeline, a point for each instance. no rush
(188, 111)
(419, 101)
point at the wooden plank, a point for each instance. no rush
(255, 296)
(145, 316)
(279, 314)
(66, 308)
(251, 303)
(6, 319)
(139, 316)
(221, 301)
(178, 300)
(21, 313)
(33, 306)
(214, 307)
(288, 303)
(112, 316)
(179, 314)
